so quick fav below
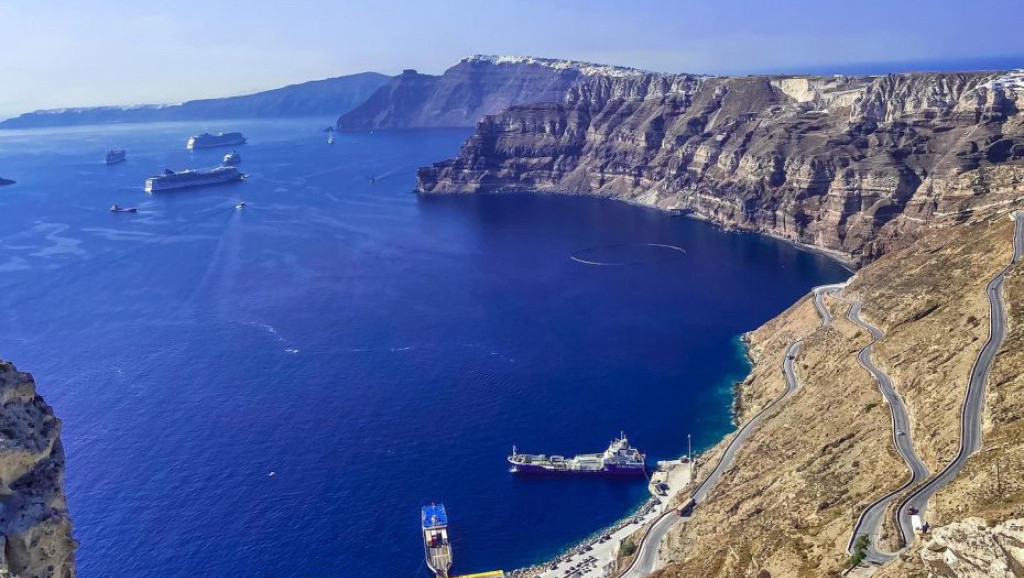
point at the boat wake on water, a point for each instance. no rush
(621, 255)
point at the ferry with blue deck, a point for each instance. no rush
(436, 546)
(620, 459)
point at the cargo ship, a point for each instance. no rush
(207, 140)
(436, 547)
(620, 459)
(186, 179)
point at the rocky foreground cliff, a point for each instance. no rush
(35, 529)
(852, 165)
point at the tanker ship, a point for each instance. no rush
(619, 459)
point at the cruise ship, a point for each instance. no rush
(619, 459)
(436, 546)
(115, 156)
(207, 140)
(171, 180)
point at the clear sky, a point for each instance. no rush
(56, 53)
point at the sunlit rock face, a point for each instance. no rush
(971, 549)
(855, 166)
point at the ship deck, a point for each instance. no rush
(440, 559)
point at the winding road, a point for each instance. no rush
(647, 552)
(819, 300)
(871, 518)
(974, 402)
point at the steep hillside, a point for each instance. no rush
(34, 522)
(465, 93)
(318, 97)
(788, 505)
(853, 166)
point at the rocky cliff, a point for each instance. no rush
(475, 87)
(35, 529)
(326, 97)
(854, 166)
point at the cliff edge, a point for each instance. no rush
(476, 86)
(856, 166)
(34, 522)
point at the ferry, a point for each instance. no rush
(231, 159)
(207, 140)
(189, 178)
(620, 459)
(115, 156)
(436, 547)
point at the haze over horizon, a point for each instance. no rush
(70, 55)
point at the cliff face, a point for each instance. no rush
(34, 523)
(318, 97)
(855, 166)
(465, 93)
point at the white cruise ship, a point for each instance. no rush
(207, 140)
(186, 179)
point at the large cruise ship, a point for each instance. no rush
(436, 546)
(619, 459)
(171, 180)
(207, 140)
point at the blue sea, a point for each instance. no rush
(277, 390)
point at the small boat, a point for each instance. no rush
(240, 205)
(330, 139)
(115, 156)
(231, 159)
(4, 181)
(119, 209)
(372, 180)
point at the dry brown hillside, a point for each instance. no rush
(789, 503)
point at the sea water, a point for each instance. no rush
(277, 390)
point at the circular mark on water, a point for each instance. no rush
(628, 254)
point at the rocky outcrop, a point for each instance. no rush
(855, 166)
(972, 549)
(330, 96)
(475, 87)
(35, 529)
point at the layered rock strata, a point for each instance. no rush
(856, 166)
